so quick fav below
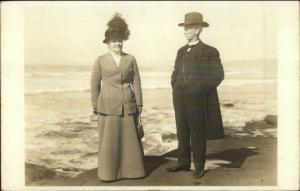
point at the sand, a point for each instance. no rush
(238, 162)
(61, 142)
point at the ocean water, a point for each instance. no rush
(51, 78)
(66, 140)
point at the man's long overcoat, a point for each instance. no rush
(201, 76)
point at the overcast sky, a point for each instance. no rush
(72, 32)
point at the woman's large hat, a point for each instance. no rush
(117, 29)
(194, 18)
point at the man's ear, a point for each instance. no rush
(200, 29)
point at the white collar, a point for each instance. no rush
(115, 55)
(193, 43)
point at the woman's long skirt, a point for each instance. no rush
(120, 153)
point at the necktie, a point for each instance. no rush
(190, 47)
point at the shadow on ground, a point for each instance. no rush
(153, 162)
(235, 157)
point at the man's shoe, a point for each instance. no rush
(198, 174)
(178, 168)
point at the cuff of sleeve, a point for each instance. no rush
(95, 111)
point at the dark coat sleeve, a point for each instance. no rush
(176, 68)
(215, 73)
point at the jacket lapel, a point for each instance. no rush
(123, 61)
(113, 65)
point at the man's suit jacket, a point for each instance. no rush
(203, 72)
(115, 87)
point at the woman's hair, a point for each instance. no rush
(117, 29)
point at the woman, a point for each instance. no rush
(117, 99)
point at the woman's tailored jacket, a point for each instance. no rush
(116, 90)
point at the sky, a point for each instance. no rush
(71, 33)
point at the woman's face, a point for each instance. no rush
(115, 46)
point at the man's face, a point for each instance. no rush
(115, 45)
(191, 31)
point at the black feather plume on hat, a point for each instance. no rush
(117, 29)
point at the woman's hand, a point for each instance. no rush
(139, 108)
(94, 118)
(140, 128)
(140, 131)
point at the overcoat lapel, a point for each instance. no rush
(200, 49)
(201, 45)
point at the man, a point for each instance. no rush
(197, 73)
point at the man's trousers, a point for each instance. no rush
(190, 125)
